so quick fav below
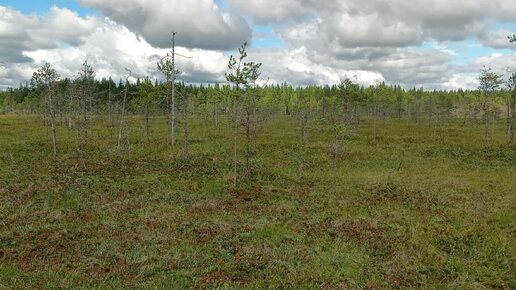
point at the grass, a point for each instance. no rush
(402, 212)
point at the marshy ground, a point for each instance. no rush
(404, 211)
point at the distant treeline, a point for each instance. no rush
(388, 100)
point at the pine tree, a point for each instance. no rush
(241, 75)
(46, 79)
(489, 83)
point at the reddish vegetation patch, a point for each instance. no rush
(215, 277)
(359, 230)
(218, 277)
(402, 278)
(152, 223)
(389, 191)
(42, 250)
(208, 207)
(399, 192)
(392, 276)
(205, 233)
(362, 230)
(249, 259)
(57, 249)
(242, 196)
(123, 208)
(117, 268)
(122, 194)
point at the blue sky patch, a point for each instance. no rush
(42, 7)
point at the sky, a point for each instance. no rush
(435, 44)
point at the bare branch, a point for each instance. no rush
(184, 56)
(130, 72)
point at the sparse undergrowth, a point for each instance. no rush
(400, 212)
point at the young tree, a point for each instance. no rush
(46, 78)
(302, 114)
(167, 66)
(489, 83)
(82, 105)
(286, 97)
(186, 112)
(122, 130)
(511, 107)
(241, 74)
(374, 109)
(324, 105)
(215, 97)
(110, 102)
(146, 102)
(250, 117)
(349, 95)
(8, 101)
(2, 99)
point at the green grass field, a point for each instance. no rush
(402, 212)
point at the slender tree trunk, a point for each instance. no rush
(110, 106)
(167, 110)
(185, 128)
(511, 117)
(215, 114)
(434, 131)
(83, 124)
(486, 128)
(493, 127)
(235, 136)
(87, 107)
(52, 121)
(173, 114)
(344, 113)
(508, 117)
(254, 124)
(374, 123)
(122, 121)
(247, 142)
(355, 114)
(54, 136)
(173, 101)
(511, 131)
(45, 123)
(323, 105)
(301, 143)
(147, 125)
